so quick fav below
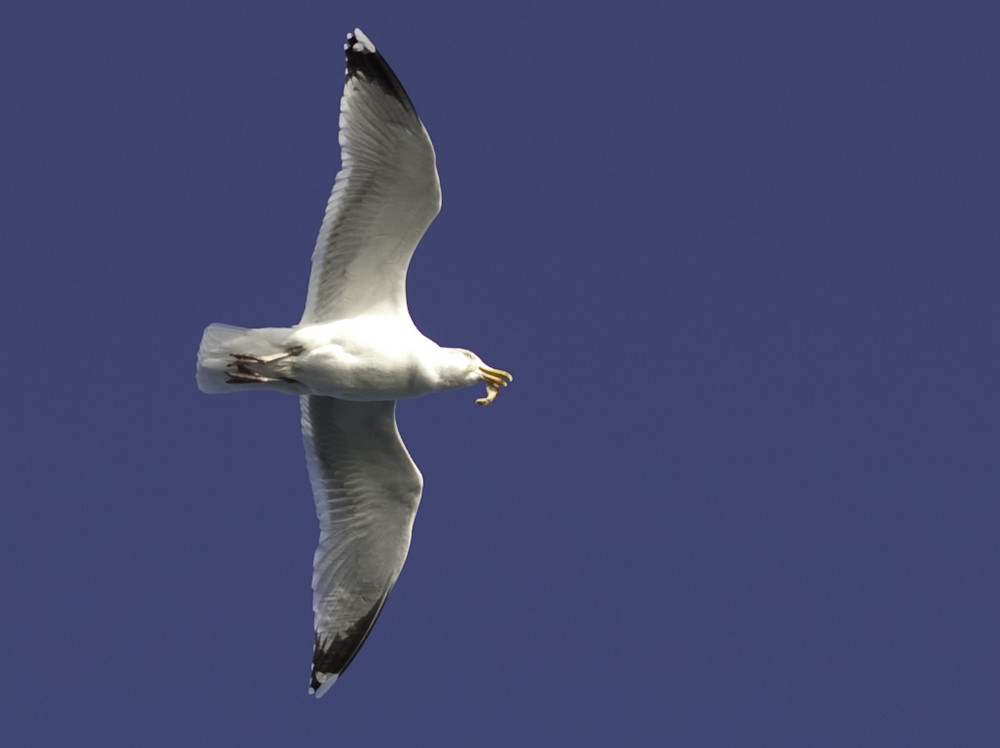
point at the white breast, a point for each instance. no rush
(365, 359)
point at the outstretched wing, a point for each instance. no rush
(384, 198)
(367, 490)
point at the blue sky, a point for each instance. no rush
(742, 259)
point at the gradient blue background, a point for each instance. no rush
(742, 259)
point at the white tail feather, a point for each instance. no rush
(220, 342)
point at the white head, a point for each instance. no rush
(458, 367)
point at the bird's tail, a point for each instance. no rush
(223, 345)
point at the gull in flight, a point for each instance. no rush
(354, 354)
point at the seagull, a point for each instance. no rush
(354, 353)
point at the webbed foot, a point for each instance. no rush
(241, 369)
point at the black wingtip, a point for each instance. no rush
(367, 62)
(333, 657)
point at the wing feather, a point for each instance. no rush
(385, 196)
(367, 490)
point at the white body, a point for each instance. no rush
(364, 358)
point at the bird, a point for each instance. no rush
(354, 354)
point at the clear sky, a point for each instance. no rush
(742, 259)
